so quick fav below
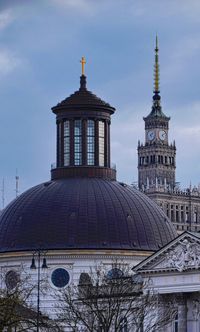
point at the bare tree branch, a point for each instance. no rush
(106, 302)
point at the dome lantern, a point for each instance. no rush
(83, 135)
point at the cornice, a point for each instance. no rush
(82, 254)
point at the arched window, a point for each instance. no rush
(101, 142)
(77, 142)
(66, 143)
(115, 273)
(59, 135)
(85, 279)
(90, 142)
(12, 278)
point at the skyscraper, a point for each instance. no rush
(157, 167)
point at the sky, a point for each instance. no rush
(41, 44)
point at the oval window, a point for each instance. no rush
(115, 274)
(11, 279)
(60, 277)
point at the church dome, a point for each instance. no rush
(83, 206)
(84, 213)
(83, 98)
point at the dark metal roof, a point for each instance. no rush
(156, 111)
(83, 97)
(83, 213)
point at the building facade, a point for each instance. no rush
(174, 274)
(157, 167)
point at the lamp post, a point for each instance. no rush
(38, 254)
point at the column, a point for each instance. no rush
(182, 313)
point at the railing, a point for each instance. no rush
(113, 166)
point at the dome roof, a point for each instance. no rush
(83, 213)
(81, 98)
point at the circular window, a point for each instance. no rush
(11, 279)
(114, 273)
(60, 277)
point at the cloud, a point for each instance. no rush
(125, 132)
(82, 6)
(6, 17)
(8, 62)
(4, 4)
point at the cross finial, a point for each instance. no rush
(83, 62)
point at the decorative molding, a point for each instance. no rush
(182, 254)
(83, 254)
(185, 256)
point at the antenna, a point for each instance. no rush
(16, 184)
(3, 193)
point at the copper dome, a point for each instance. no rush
(83, 213)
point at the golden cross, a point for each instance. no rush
(83, 62)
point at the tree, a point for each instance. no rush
(16, 308)
(112, 301)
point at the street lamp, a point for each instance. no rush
(38, 254)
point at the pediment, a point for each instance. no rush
(182, 254)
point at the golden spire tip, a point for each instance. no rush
(156, 68)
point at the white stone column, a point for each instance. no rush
(182, 314)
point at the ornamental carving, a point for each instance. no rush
(185, 256)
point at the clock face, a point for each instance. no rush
(151, 135)
(162, 135)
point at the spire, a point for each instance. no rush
(156, 69)
(83, 82)
(156, 109)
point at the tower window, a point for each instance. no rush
(172, 213)
(182, 214)
(77, 142)
(101, 143)
(59, 142)
(90, 142)
(66, 143)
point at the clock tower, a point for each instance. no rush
(156, 157)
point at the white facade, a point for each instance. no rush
(175, 270)
(74, 262)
